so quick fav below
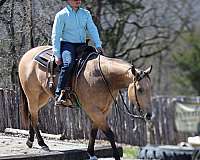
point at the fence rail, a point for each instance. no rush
(74, 123)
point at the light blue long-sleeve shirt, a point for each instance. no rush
(72, 26)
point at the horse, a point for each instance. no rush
(95, 96)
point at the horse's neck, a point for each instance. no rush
(117, 72)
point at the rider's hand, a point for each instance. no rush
(58, 61)
(100, 50)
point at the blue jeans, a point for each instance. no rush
(68, 53)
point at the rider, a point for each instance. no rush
(69, 32)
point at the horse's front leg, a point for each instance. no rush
(93, 134)
(99, 120)
(109, 134)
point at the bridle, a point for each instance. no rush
(127, 111)
(136, 79)
(142, 115)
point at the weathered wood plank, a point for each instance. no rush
(75, 124)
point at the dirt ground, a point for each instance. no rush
(15, 145)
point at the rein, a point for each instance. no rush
(127, 111)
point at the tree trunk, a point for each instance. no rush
(30, 22)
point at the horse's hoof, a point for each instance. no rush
(62, 137)
(45, 148)
(29, 143)
(93, 158)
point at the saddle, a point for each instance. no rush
(46, 59)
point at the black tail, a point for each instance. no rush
(23, 106)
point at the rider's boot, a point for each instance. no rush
(63, 100)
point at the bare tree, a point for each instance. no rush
(131, 29)
(136, 29)
(2, 2)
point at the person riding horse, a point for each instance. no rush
(97, 86)
(69, 32)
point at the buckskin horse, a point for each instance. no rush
(95, 96)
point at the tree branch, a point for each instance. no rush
(2, 2)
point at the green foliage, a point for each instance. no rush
(130, 152)
(188, 62)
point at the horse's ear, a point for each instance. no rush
(134, 72)
(148, 70)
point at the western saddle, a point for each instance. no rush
(46, 59)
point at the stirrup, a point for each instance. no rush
(66, 102)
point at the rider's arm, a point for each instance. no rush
(93, 32)
(57, 34)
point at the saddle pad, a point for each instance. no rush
(44, 56)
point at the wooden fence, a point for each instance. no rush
(74, 124)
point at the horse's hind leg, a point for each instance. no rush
(32, 132)
(34, 126)
(43, 99)
(31, 135)
(40, 139)
(34, 104)
(93, 134)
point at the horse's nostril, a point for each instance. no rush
(148, 116)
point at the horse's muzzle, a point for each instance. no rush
(148, 116)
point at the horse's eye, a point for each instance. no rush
(140, 90)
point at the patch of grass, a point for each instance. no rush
(130, 152)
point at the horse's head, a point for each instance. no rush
(139, 91)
